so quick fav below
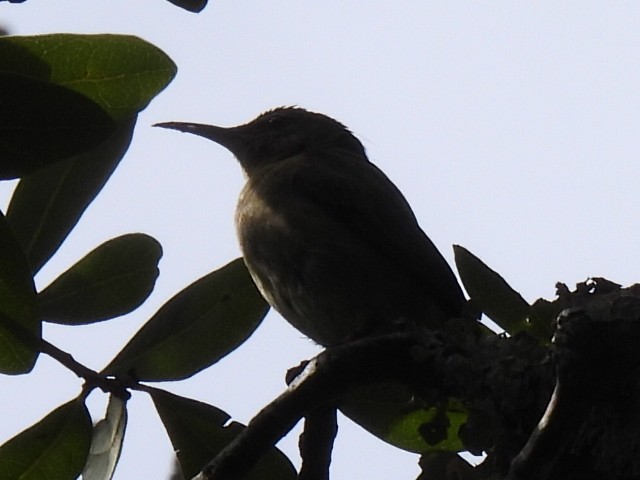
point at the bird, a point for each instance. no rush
(329, 240)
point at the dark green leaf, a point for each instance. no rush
(198, 432)
(382, 409)
(20, 327)
(42, 123)
(55, 448)
(194, 6)
(47, 204)
(111, 280)
(492, 293)
(197, 327)
(121, 73)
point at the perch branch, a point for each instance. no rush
(411, 357)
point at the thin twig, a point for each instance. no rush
(316, 443)
(92, 378)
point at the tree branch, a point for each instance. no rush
(91, 377)
(316, 443)
(412, 358)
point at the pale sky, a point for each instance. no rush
(512, 127)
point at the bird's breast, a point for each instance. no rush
(322, 277)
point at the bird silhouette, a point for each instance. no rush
(329, 240)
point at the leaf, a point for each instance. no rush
(194, 6)
(20, 327)
(109, 281)
(199, 431)
(196, 328)
(492, 293)
(47, 204)
(383, 410)
(121, 73)
(54, 448)
(106, 442)
(43, 123)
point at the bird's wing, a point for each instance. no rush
(359, 195)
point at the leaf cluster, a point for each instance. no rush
(69, 105)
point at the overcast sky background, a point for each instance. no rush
(512, 127)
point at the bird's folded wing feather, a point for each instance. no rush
(359, 195)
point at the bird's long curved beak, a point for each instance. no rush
(227, 137)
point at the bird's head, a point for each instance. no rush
(276, 135)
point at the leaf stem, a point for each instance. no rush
(92, 378)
